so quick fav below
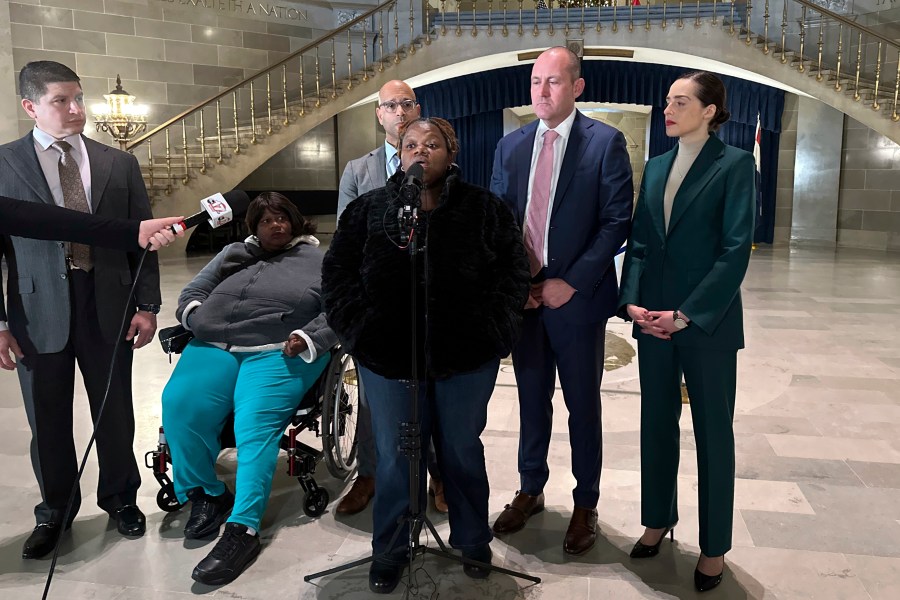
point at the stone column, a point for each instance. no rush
(817, 173)
(9, 101)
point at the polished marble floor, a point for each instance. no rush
(817, 510)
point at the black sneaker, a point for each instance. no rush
(207, 513)
(233, 553)
(482, 554)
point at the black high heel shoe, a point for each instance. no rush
(642, 550)
(704, 582)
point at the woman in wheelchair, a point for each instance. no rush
(241, 308)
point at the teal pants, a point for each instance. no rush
(711, 378)
(262, 389)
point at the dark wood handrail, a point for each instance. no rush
(310, 46)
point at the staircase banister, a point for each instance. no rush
(310, 46)
(849, 22)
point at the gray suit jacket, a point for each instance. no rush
(37, 305)
(361, 175)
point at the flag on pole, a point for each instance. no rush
(756, 152)
(758, 176)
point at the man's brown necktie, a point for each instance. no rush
(74, 198)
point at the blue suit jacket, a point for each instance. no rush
(591, 213)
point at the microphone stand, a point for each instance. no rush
(411, 440)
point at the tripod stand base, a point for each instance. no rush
(417, 549)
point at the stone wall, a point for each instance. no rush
(306, 164)
(171, 54)
(784, 193)
(634, 126)
(869, 204)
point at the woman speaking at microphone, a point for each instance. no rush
(471, 282)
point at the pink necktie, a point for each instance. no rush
(536, 219)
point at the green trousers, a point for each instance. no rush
(711, 378)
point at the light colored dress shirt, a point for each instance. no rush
(564, 129)
(48, 157)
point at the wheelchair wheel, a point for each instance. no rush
(315, 502)
(340, 406)
(166, 499)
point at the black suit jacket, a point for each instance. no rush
(46, 222)
(37, 305)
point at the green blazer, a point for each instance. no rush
(698, 265)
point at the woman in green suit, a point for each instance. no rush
(688, 253)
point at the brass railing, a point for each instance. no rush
(842, 55)
(285, 91)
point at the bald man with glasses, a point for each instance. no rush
(396, 104)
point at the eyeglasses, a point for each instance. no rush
(391, 106)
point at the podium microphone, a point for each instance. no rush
(411, 188)
(217, 210)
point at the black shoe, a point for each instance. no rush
(231, 555)
(704, 582)
(42, 540)
(130, 521)
(384, 575)
(641, 550)
(207, 513)
(482, 554)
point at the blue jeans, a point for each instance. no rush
(454, 414)
(262, 389)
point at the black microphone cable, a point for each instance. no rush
(112, 364)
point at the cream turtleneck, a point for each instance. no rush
(684, 159)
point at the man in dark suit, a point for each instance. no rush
(396, 105)
(64, 303)
(568, 180)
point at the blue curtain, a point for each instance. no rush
(478, 135)
(606, 81)
(474, 104)
(768, 159)
(660, 143)
(739, 135)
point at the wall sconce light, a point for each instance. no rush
(120, 117)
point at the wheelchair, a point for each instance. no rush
(329, 409)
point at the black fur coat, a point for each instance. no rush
(477, 277)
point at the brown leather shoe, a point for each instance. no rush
(582, 532)
(358, 497)
(436, 490)
(517, 513)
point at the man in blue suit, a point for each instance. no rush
(568, 179)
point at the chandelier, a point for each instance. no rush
(120, 117)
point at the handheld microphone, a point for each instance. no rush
(218, 209)
(411, 188)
